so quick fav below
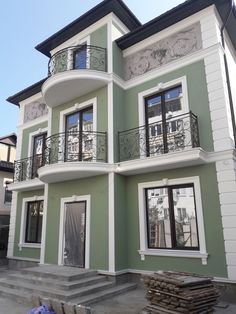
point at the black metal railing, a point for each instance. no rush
(27, 168)
(175, 134)
(83, 146)
(78, 57)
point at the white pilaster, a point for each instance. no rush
(226, 177)
(11, 237)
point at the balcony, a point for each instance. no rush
(26, 174)
(73, 72)
(72, 155)
(161, 145)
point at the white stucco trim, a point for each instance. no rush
(111, 221)
(22, 243)
(31, 139)
(78, 106)
(11, 236)
(74, 198)
(159, 88)
(44, 225)
(144, 250)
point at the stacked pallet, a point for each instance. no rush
(172, 292)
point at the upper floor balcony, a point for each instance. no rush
(77, 154)
(170, 143)
(73, 72)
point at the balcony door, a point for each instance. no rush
(79, 136)
(37, 158)
(162, 123)
(75, 232)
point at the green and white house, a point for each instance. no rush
(126, 151)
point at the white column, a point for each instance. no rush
(11, 237)
(226, 177)
(44, 225)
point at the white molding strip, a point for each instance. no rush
(111, 221)
(44, 225)
(11, 236)
(27, 259)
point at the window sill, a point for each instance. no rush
(174, 253)
(29, 245)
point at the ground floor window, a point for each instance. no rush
(34, 219)
(171, 217)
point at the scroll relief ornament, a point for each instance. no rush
(164, 51)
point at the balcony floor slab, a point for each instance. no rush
(191, 157)
(66, 171)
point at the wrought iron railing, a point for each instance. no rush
(78, 57)
(27, 168)
(83, 146)
(174, 134)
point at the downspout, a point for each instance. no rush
(227, 73)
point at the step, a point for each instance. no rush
(59, 272)
(102, 295)
(53, 293)
(16, 295)
(56, 284)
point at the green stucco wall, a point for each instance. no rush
(25, 137)
(25, 252)
(99, 37)
(101, 95)
(97, 187)
(119, 116)
(216, 264)
(197, 99)
(117, 60)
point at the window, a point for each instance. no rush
(80, 57)
(160, 112)
(34, 219)
(79, 135)
(171, 218)
(38, 147)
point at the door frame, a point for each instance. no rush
(72, 199)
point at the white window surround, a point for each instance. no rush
(161, 87)
(31, 139)
(78, 106)
(22, 243)
(144, 250)
(74, 198)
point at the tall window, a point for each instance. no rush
(162, 126)
(171, 217)
(38, 147)
(80, 57)
(79, 135)
(34, 219)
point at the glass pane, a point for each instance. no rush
(40, 222)
(32, 218)
(72, 122)
(185, 217)
(159, 233)
(39, 143)
(74, 248)
(81, 58)
(154, 109)
(172, 101)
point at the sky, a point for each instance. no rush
(26, 23)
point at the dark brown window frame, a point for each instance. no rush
(172, 217)
(27, 222)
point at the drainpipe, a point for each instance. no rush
(227, 72)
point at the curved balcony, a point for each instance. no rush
(73, 72)
(73, 155)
